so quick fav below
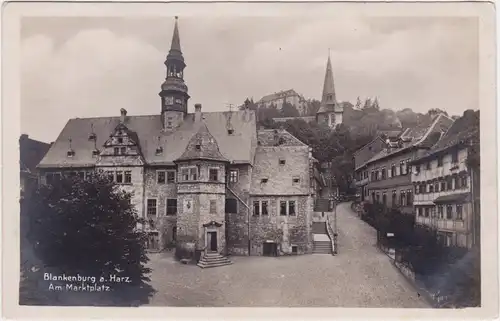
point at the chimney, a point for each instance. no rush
(123, 114)
(197, 112)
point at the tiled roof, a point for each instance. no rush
(416, 136)
(238, 147)
(202, 146)
(277, 137)
(31, 152)
(463, 128)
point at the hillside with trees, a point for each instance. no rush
(361, 123)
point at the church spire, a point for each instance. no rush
(328, 86)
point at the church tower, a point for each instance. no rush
(174, 92)
(330, 112)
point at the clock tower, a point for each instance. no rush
(174, 92)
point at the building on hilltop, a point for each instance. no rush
(208, 181)
(385, 177)
(445, 197)
(285, 96)
(330, 112)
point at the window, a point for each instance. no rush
(185, 174)
(459, 213)
(384, 198)
(440, 211)
(408, 166)
(213, 207)
(449, 184)
(256, 208)
(120, 140)
(428, 165)
(443, 186)
(457, 182)
(282, 162)
(448, 212)
(171, 206)
(230, 131)
(283, 208)
(383, 173)
(198, 147)
(128, 177)
(233, 176)
(231, 205)
(417, 169)
(402, 200)
(291, 208)
(296, 180)
(464, 181)
(440, 161)
(454, 157)
(409, 199)
(170, 177)
(151, 206)
(159, 150)
(373, 197)
(160, 177)
(419, 211)
(417, 189)
(116, 151)
(431, 188)
(264, 208)
(402, 168)
(264, 180)
(427, 211)
(213, 174)
(393, 170)
(436, 187)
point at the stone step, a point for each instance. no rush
(211, 265)
(218, 260)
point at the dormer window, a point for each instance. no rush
(282, 162)
(264, 180)
(70, 153)
(296, 180)
(198, 147)
(159, 150)
(92, 136)
(230, 131)
(120, 140)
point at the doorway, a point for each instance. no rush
(212, 241)
(269, 249)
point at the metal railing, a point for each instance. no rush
(331, 234)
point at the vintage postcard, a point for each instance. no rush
(250, 156)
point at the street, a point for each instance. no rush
(359, 276)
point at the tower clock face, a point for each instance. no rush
(169, 100)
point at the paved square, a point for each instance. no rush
(359, 276)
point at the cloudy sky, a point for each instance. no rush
(88, 67)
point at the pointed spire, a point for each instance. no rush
(328, 99)
(328, 86)
(176, 42)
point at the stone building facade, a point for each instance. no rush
(209, 181)
(279, 98)
(361, 157)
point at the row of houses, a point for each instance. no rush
(426, 171)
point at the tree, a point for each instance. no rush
(368, 104)
(375, 104)
(436, 111)
(358, 103)
(289, 110)
(88, 227)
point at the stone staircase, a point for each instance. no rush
(322, 247)
(321, 241)
(214, 259)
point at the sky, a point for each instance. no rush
(93, 66)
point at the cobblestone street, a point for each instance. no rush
(359, 276)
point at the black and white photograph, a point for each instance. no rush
(252, 159)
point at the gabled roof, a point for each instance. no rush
(202, 146)
(237, 147)
(462, 129)
(417, 136)
(31, 152)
